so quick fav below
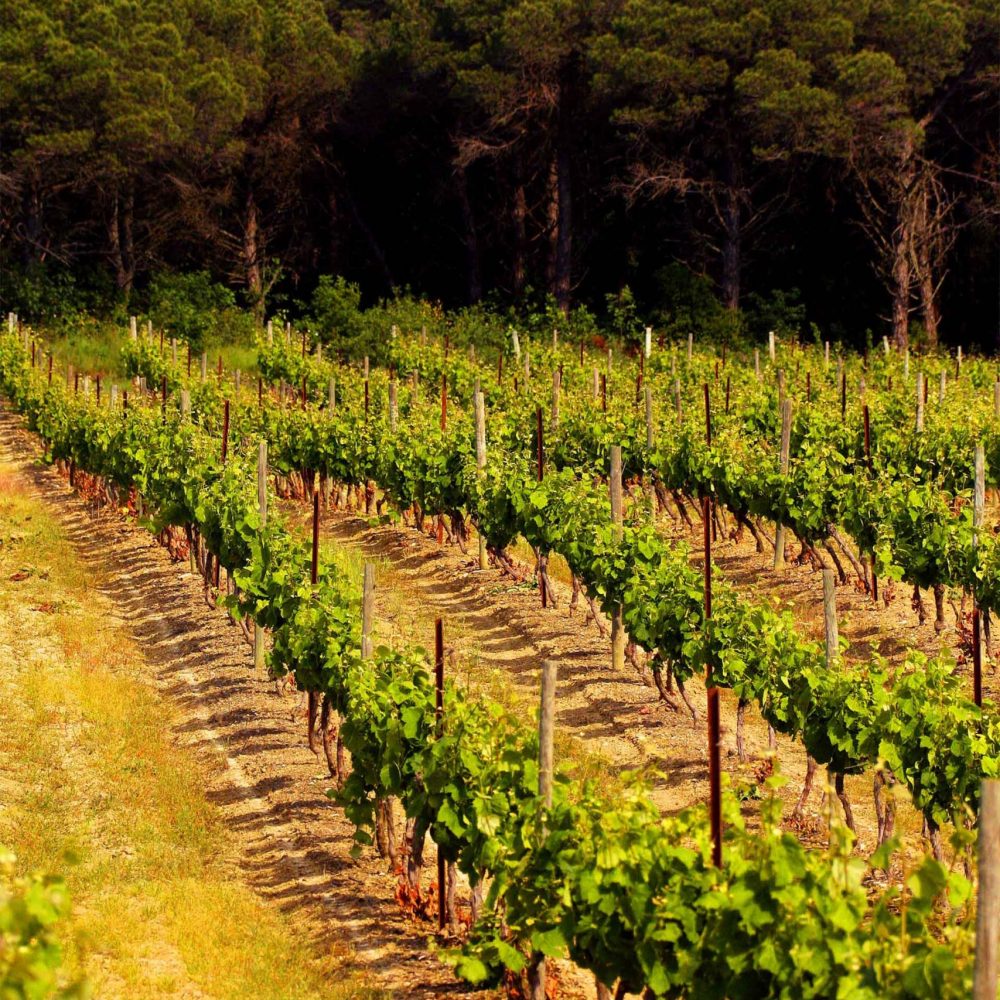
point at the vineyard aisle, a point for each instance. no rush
(139, 757)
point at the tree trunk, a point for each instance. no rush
(472, 260)
(901, 280)
(564, 240)
(31, 206)
(901, 287)
(732, 249)
(928, 303)
(251, 255)
(520, 213)
(127, 239)
(565, 134)
(927, 252)
(113, 227)
(552, 223)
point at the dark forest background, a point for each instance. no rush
(835, 160)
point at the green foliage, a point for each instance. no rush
(54, 295)
(613, 885)
(194, 308)
(686, 303)
(31, 909)
(623, 315)
(335, 315)
(780, 311)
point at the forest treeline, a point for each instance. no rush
(842, 152)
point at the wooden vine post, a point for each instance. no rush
(987, 968)
(830, 617)
(708, 444)
(920, 401)
(784, 447)
(480, 414)
(651, 485)
(540, 456)
(866, 418)
(314, 562)
(258, 631)
(439, 717)
(367, 611)
(617, 520)
(546, 767)
(556, 385)
(978, 504)
(393, 406)
(714, 766)
(225, 430)
(444, 426)
(832, 645)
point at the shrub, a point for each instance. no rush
(193, 307)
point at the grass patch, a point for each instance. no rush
(94, 348)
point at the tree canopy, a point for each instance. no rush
(464, 149)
